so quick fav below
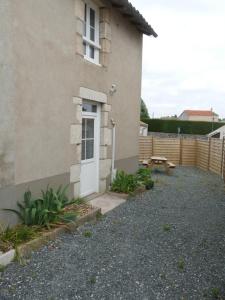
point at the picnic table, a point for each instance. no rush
(156, 161)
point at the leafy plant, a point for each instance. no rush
(144, 178)
(215, 293)
(87, 234)
(12, 237)
(166, 227)
(124, 183)
(45, 210)
(181, 264)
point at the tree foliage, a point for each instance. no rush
(144, 111)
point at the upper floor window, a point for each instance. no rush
(91, 32)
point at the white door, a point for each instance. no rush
(89, 181)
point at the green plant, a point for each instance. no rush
(216, 293)
(2, 268)
(87, 234)
(45, 210)
(180, 264)
(144, 178)
(186, 127)
(166, 227)
(12, 237)
(92, 280)
(124, 183)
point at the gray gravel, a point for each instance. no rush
(168, 243)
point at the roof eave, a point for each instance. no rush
(130, 12)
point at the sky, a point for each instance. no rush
(184, 68)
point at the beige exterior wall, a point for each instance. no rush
(49, 72)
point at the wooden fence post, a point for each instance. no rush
(181, 151)
(209, 154)
(222, 158)
(152, 146)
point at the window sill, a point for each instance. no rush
(88, 59)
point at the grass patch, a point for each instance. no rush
(87, 234)
(2, 268)
(99, 216)
(92, 280)
(167, 227)
(215, 293)
(181, 264)
(12, 237)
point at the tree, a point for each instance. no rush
(144, 110)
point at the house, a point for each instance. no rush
(143, 129)
(219, 133)
(199, 115)
(70, 75)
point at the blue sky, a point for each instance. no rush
(184, 68)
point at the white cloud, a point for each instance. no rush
(185, 65)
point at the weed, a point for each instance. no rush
(87, 234)
(166, 227)
(180, 264)
(79, 201)
(92, 280)
(2, 268)
(13, 237)
(215, 293)
(99, 216)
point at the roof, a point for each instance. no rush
(143, 124)
(217, 130)
(205, 113)
(134, 16)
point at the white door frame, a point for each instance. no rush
(97, 117)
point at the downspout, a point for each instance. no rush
(113, 171)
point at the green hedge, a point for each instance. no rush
(186, 127)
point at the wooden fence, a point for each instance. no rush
(208, 155)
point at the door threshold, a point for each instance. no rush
(93, 196)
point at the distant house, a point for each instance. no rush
(143, 129)
(199, 115)
(219, 133)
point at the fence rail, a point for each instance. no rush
(208, 155)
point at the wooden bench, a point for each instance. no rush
(171, 165)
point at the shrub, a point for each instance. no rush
(144, 178)
(45, 210)
(128, 183)
(186, 127)
(124, 183)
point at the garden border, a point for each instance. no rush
(25, 250)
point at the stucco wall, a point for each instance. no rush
(47, 75)
(7, 91)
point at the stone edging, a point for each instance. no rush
(26, 249)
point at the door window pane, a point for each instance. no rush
(89, 149)
(92, 34)
(83, 156)
(83, 128)
(92, 52)
(89, 107)
(90, 129)
(92, 17)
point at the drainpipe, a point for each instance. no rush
(113, 171)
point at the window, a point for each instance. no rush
(87, 139)
(91, 33)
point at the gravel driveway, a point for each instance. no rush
(168, 243)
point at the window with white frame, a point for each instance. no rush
(91, 32)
